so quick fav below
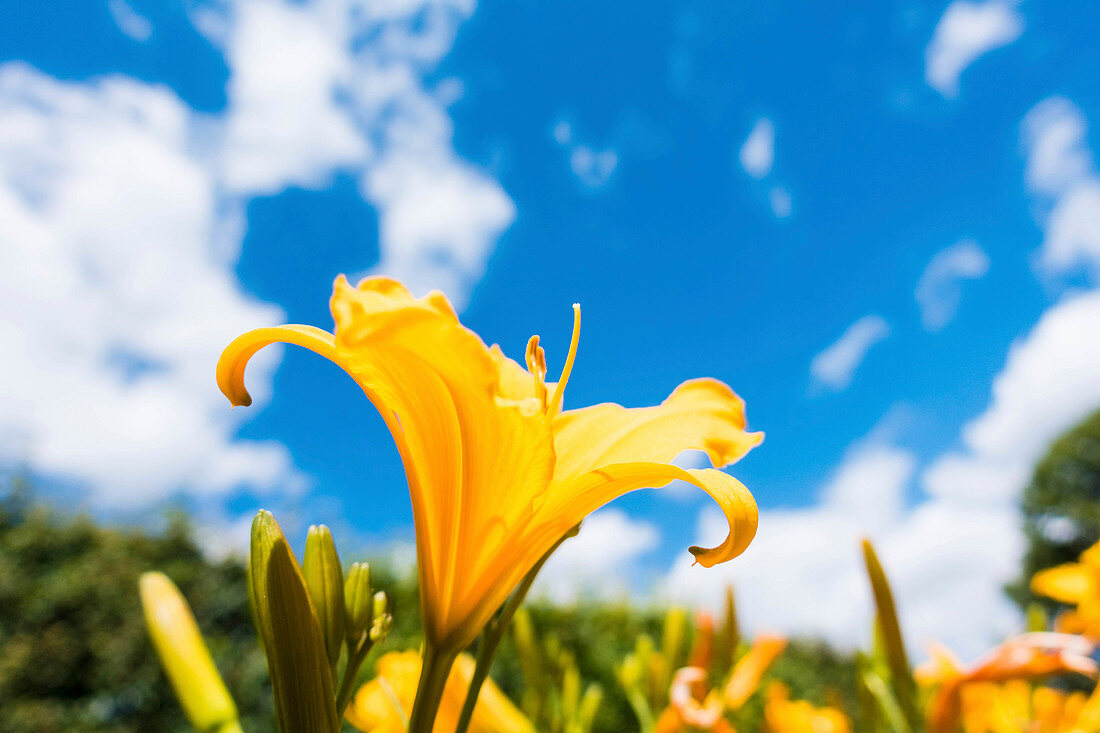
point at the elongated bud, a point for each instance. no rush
(184, 656)
(301, 678)
(886, 616)
(731, 630)
(673, 636)
(325, 580)
(590, 703)
(382, 617)
(358, 604)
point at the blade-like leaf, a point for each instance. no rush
(901, 674)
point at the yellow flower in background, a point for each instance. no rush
(497, 472)
(750, 669)
(784, 715)
(383, 704)
(1075, 584)
(185, 657)
(1024, 657)
(1016, 707)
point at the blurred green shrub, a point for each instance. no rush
(75, 656)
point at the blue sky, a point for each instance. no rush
(878, 225)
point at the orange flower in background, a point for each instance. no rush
(497, 472)
(686, 711)
(1076, 584)
(1014, 706)
(692, 707)
(383, 704)
(1025, 657)
(784, 715)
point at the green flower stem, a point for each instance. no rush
(494, 634)
(351, 674)
(434, 670)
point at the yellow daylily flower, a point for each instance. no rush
(784, 715)
(383, 704)
(497, 472)
(1016, 707)
(1076, 584)
(1024, 657)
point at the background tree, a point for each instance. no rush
(1061, 504)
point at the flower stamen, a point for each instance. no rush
(559, 391)
(536, 364)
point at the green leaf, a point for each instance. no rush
(901, 675)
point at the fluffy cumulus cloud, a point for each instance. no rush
(834, 367)
(121, 214)
(118, 294)
(596, 563)
(939, 289)
(966, 31)
(1063, 180)
(322, 87)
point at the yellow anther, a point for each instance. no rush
(536, 364)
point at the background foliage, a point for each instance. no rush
(74, 655)
(1061, 505)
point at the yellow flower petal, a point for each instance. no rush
(383, 704)
(700, 414)
(751, 668)
(578, 497)
(1068, 583)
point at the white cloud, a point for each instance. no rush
(758, 151)
(1065, 184)
(1048, 384)
(834, 367)
(804, 574)
(121, 214)
(595, 562)
(317, 88)
(129, 21)
(966, 31)
(1058, 157)
(285, 125)
(117, 297)
(940, 286)
(593, 167)
(780, 201)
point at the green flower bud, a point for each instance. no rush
(325, 580)
(382, 621)
(358, 604)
